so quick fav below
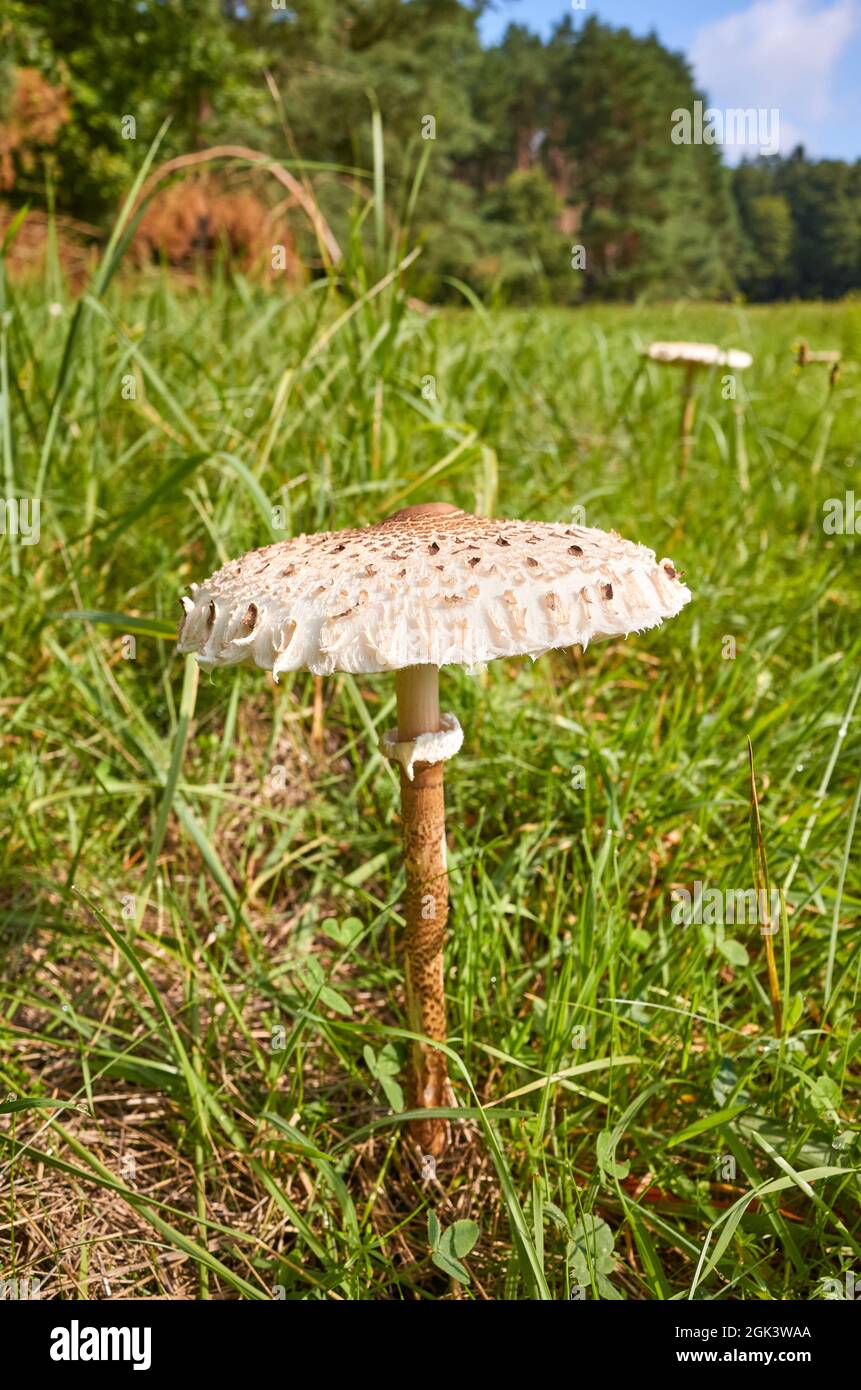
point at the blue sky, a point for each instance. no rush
(799, 57)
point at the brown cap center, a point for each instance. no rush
(424, 509)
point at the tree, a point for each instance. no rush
(533, 258)
(147, 61)
(534, 146)
(802, 226)
(654, 215)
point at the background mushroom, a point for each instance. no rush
(829, 358)
(693, 357)
(430, 586)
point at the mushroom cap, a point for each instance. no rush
(429, 585)
(698, 355)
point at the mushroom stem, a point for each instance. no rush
(317, 723)
(689, 406)
(423, 808)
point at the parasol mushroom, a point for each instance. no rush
(693, 357)
(831, 358)
(430, 586)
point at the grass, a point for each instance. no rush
(201, 1026)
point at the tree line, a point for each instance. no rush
(548, 165)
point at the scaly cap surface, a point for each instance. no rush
(430, 584)
(698, 355)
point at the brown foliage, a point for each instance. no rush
(189, 221)
(76, 244)
(37, 112)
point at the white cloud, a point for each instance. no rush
(777, 54)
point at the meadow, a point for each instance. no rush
(202, 1039)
